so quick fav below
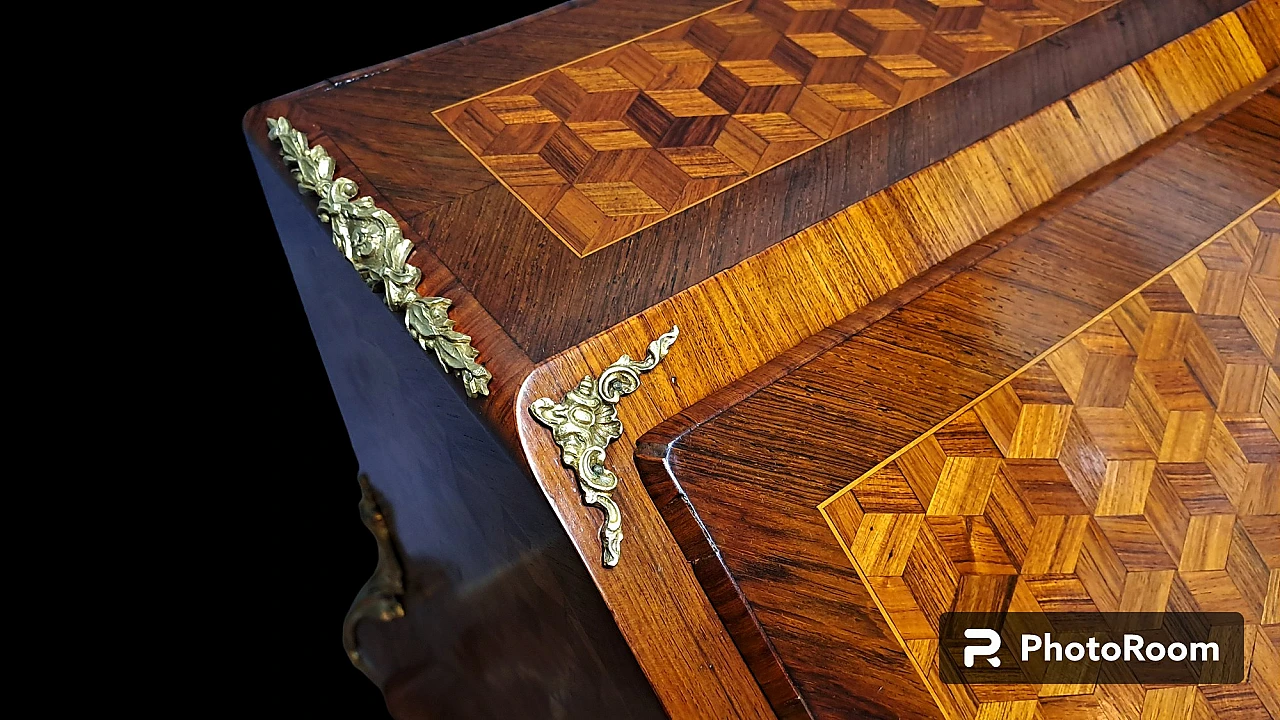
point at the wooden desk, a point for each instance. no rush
(862, 218)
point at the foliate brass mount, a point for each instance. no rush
(372, 241)
(586, 421)
(380, 598)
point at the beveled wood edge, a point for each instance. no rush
(654, 448)
(822, 507)
(651, 565)
(722, 589)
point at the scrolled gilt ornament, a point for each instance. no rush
(372, 241)
(380, 598)
(583, 424)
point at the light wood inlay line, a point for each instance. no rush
(625, 138)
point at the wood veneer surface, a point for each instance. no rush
(740, 485)
(539, 291)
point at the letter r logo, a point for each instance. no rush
(989, 650)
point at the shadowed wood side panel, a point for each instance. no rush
(460, 512)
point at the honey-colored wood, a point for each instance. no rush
(1125, 499)
(623, 139)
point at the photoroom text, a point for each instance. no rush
(1133, 648)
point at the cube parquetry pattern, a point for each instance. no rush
(618, 141)
(1134, 468)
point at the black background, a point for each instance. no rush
(300, 552)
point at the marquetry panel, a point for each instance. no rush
(1134, 467)
(615, 142)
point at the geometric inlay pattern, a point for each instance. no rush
(622, 139)
(1136, 467)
